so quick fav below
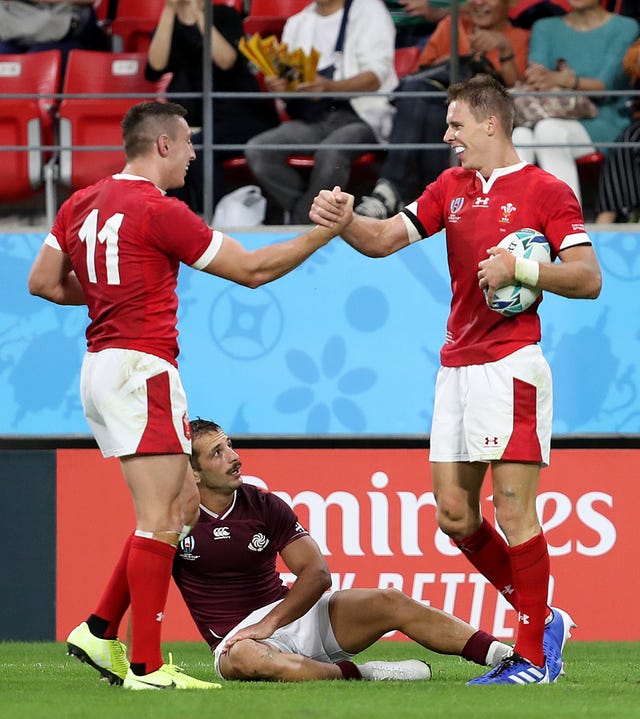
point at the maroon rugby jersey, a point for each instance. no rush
(226, 567)
(477, 213)
(126, 240)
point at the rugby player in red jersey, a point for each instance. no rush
(116, 247)
(493, 397)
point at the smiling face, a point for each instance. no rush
(488, 14)
(180, 153)
(468, 136)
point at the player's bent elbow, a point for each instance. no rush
(37, 288)
(593, 287)
(324, 579)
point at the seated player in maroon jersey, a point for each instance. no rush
(257, 627)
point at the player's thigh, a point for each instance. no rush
(157, 486)
(134, 403)
(508, 412)
(447, 441)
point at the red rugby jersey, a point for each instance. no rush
(477, 213)
(126, 239)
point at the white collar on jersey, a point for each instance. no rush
(127, 176)
(226, 512)
(499, 172)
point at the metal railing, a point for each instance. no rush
(51, 169)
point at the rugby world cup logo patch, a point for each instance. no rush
(454, 209)
(456, 205)
(187, 546)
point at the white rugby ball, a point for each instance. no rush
(513, 299)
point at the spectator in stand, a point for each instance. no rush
(484, 28)
(51, 25)
(592, 42)
(415, 20)
(619, 190)
(176, 47)
(364, 63)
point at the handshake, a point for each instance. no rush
(273, 59)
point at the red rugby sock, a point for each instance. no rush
(530, 567)
(149, 573)
(489, 554)
(114, 601)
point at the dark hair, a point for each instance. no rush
(485, 96)
(200, 427)
(144, 122)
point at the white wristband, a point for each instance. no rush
(527, 272)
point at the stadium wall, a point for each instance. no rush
(369, 506)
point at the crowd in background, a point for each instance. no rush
(542, 45)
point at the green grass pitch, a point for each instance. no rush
(38, 681)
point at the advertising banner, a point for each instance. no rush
(372, 513)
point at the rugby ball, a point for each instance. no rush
(513, 299)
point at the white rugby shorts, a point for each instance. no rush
(500, 410)
(134, 403)
(310, 636)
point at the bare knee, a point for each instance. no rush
(248, 660)
(455, 519)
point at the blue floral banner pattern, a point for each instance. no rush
(342, 345)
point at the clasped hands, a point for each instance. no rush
(332, 209)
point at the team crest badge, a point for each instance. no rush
(186, 426)
(507, 212)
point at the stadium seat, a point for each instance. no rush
(406, 60)
(26, 121)
(134, 23)
(589, 169)
(96, 121)
(268, 17)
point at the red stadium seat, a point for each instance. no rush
(589, 169)
(268, 17)
(96, 121)
(134, 24)
(406, 60)
(26, 121)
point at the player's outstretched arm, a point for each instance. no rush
(254, 268)
(52, 278)
(371, 237)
